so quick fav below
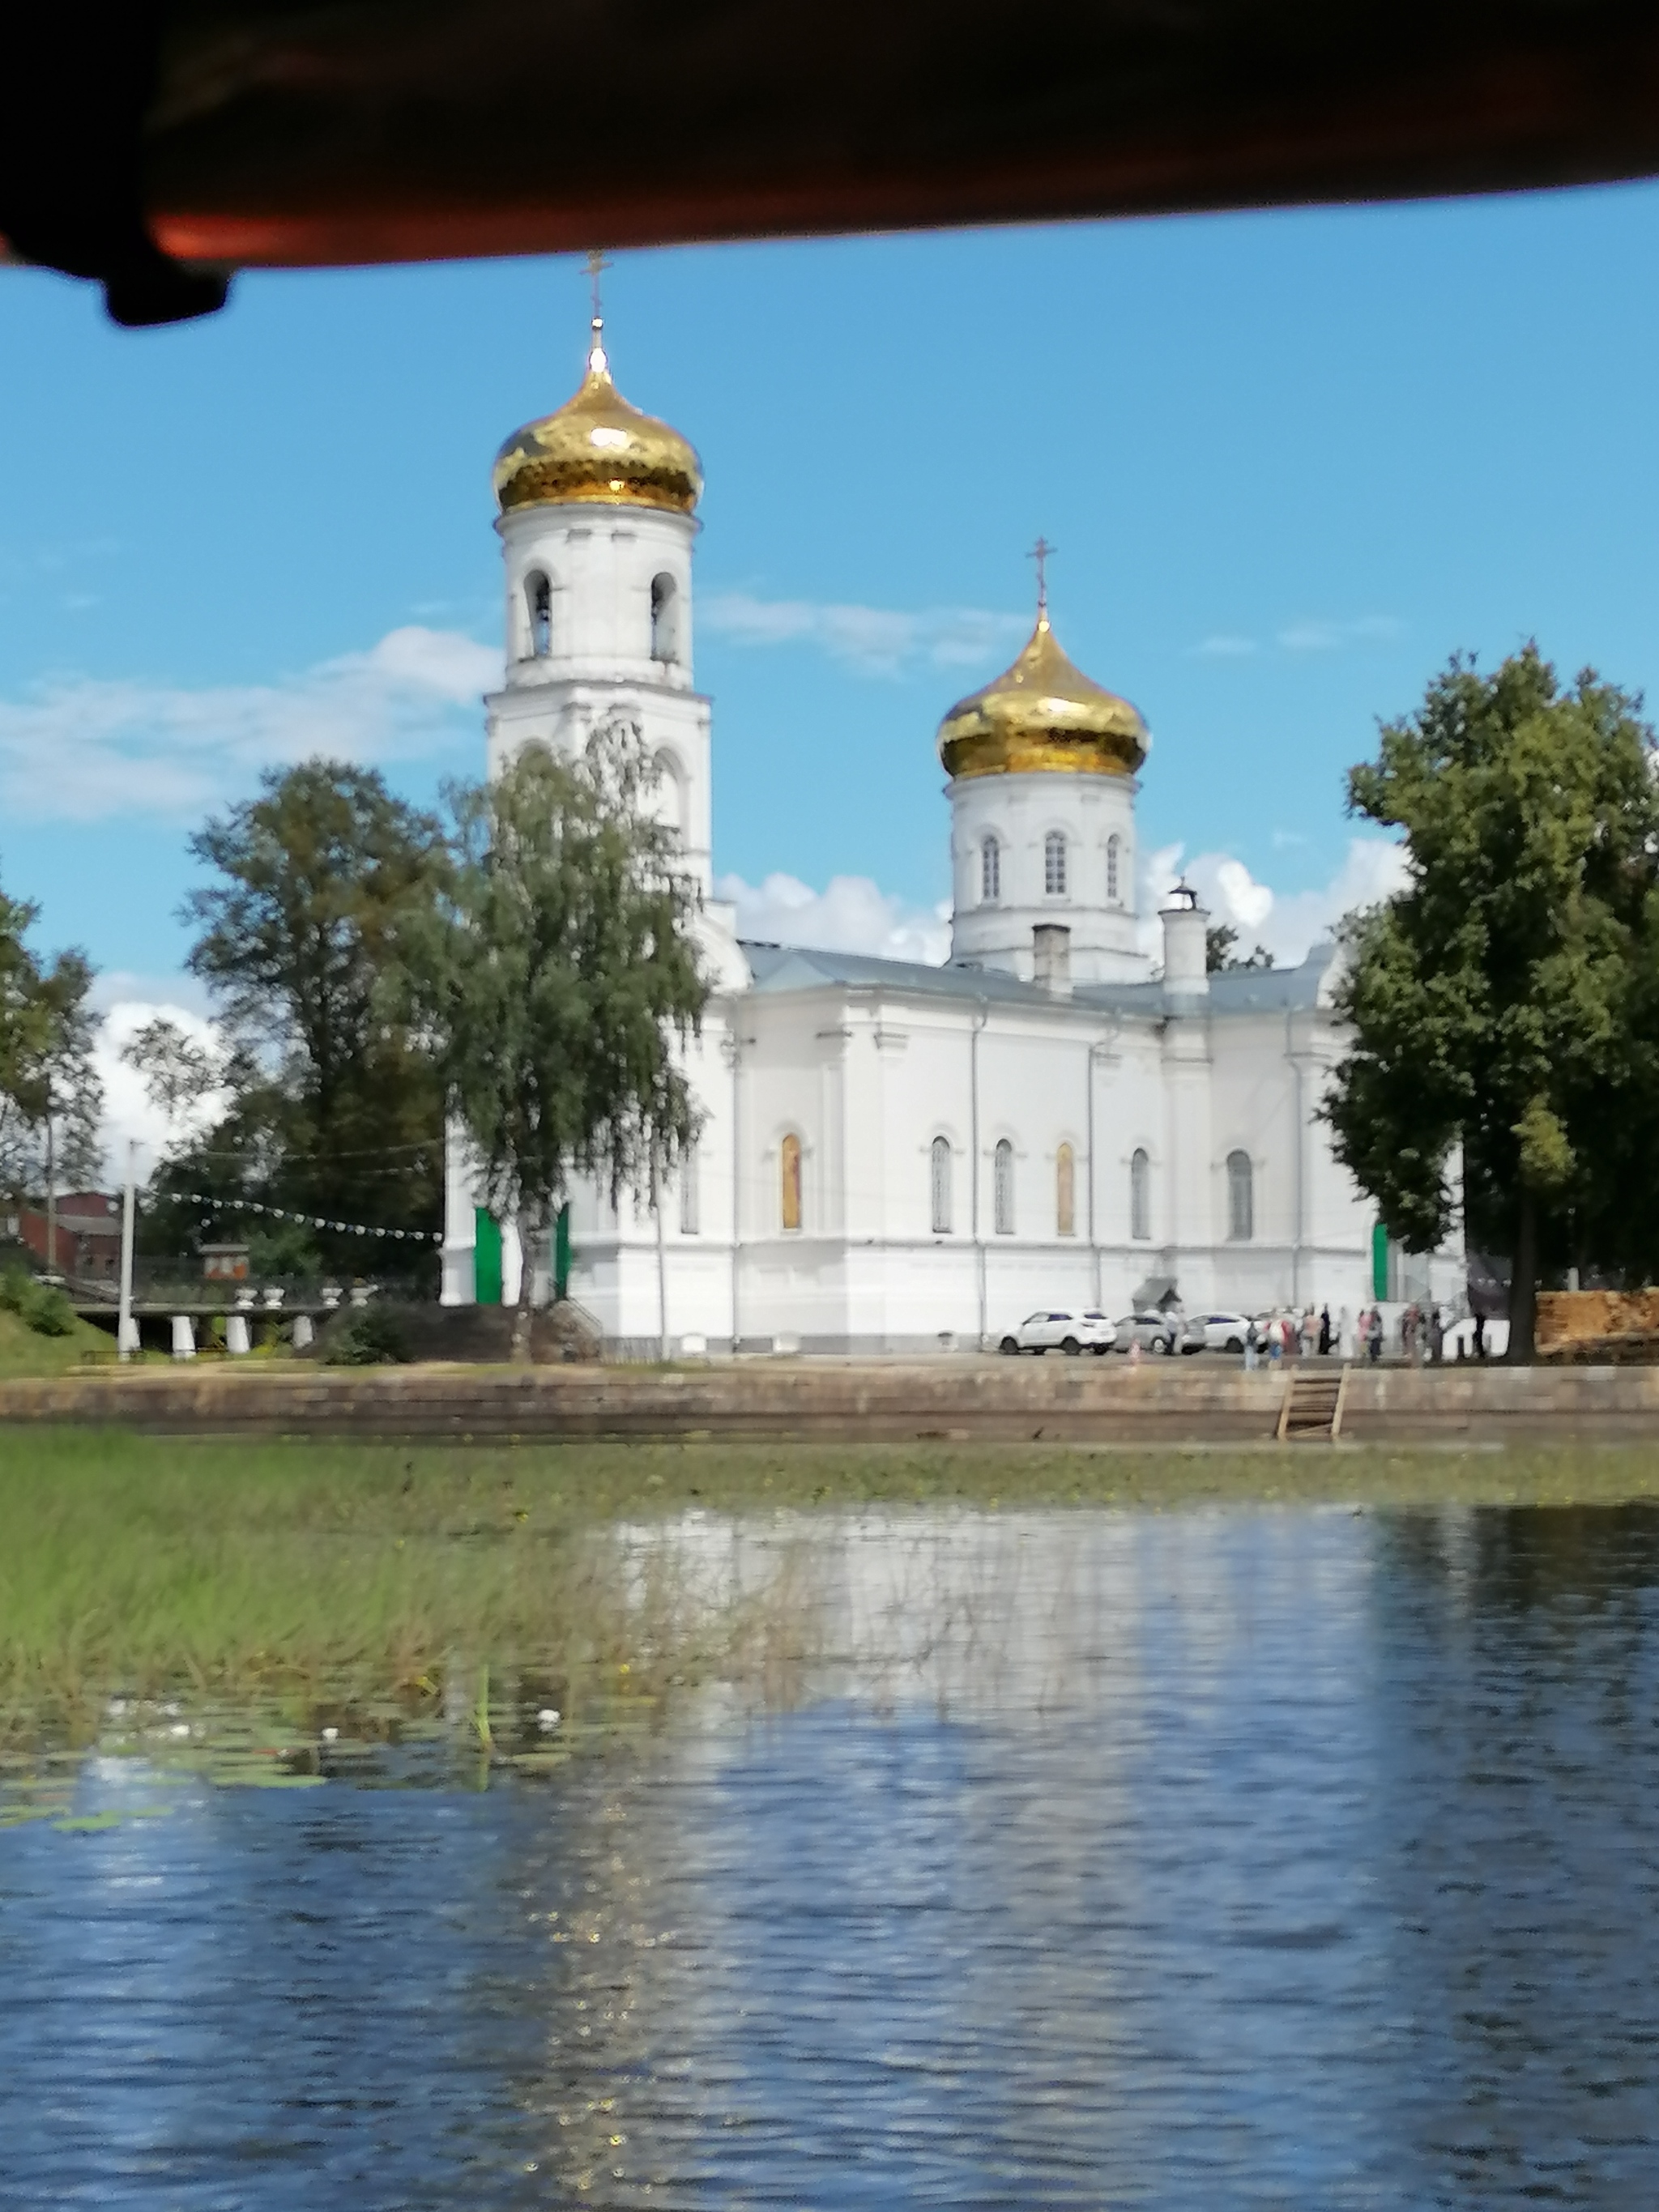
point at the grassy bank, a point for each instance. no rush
(138, 1564)
(23, 1353)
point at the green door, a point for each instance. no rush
(1380, 1261)
(486, 1257)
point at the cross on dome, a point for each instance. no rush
(1039, 553)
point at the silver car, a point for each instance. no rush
(1059, 1328)
(1158, 1332)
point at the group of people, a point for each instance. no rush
(1288, 1334)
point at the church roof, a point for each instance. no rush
(597, 450)
(1234, 991)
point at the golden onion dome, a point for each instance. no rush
(596, 451)
(1042, 713)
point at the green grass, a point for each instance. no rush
(24, 1353)
(140, 1564)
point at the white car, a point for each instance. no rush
(1060, 1328)
(1217, 1331)
(1153, 1331)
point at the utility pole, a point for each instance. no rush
(126, 1332)
(51, 1190)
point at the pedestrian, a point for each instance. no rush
(1374, 1335)
(1437, 1335)
(1276, 1340)
(1344, 1332)
(1408, 1332)
(1480, 1336)
(1309, 1333)
(1326, 1333)
(1252, 1346)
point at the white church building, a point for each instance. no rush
(895, 1156)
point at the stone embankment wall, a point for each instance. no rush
(1050, 1400)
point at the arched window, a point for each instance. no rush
(665, 626)
(1241, 1198)
(1002, 1187)
(1141, 1196)
(1114, 854)
(1065, 1192)
(690, 1218)
(990, 871)
(1053, 864)
(938, 1168)
(538, 600)
(789, 1181)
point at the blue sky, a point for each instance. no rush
(1290, 461)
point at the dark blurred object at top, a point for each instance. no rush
(278, 132)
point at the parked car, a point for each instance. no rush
(1060, 1328)
(1153, 1331)
(1216, 1331)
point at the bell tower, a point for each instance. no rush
(597, 522)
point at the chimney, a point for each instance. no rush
(1051, 958)
(1185, 966)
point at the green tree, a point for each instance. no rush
(333, 1105)
(1493, 1000)
(47, 1033)
(1219, 957)
(556, 983)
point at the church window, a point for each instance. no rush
(665, 643)
(939, 1184)
(1113, 853)
(990, 871)
(1141, 1196)
(538, 597)
(689, 1217)
(1054, 865)
(789, 1181)
(1241, 1198)
(1065, 1192)
(1002, 1187)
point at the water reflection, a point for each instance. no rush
(1215, 1859)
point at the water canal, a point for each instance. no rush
(1303, 1859)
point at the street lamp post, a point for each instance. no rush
(126, 1332)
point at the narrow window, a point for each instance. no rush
(690, 1215)
(1241, 1198)
(664, 644)
(1114, 847)
(990, 871)
(939, 1181)
(1066, 1191)
(1002, 1187)
(538, 597)
(789, 1179)
(1054, 865)
(1140, 1197)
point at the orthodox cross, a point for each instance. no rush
(598, 263)
(1039, 553)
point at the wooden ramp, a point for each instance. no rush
(1312, 1409)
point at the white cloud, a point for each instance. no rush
(87, 749)
(873, 640)
(851, 914)
(1287, 922)
(1225, 646)
(128, 1113)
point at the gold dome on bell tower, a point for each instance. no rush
(597, 451)
(1042, 714)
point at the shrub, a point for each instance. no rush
(371, 1338)
(44, 1307)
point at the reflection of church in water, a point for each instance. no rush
(895, 1154)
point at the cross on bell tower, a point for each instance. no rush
(1039, 553)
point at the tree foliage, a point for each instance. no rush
(47, 1033)
(329, 1102)
(1219, 957)
(1498, 1001)
(558, 980)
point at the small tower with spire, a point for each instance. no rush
(1042, 765)
(598, 520)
